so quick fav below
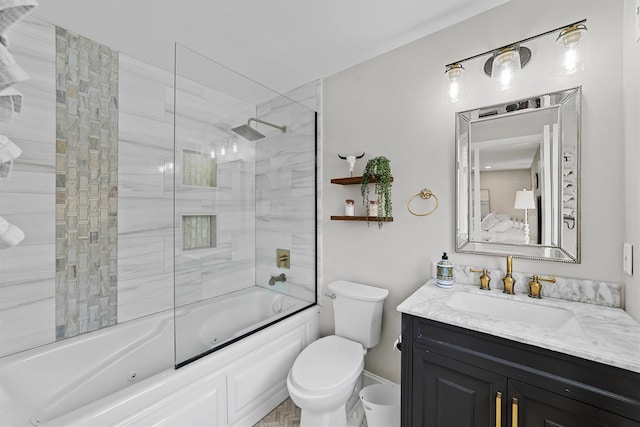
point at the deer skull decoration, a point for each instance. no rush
(352, 161)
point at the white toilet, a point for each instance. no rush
(325, 373)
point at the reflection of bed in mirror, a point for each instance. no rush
(503, 228)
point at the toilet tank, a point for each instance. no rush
(357, 311)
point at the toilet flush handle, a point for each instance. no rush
(332, 296)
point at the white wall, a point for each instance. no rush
(631, 108)
(391, 106)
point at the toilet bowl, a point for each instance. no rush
(323, 377)
(325, 374)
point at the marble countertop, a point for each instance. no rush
(610, 335)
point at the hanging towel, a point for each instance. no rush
(10, 72)
(10, 102)
(8, 150)
(11, 11)
(10, 235)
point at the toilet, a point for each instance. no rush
(325, 373)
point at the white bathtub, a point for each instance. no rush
(212, 323)
(123, 375)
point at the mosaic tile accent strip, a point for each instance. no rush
(86, 184)
(198, 169)
(198, 232)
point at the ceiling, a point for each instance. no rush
(282, 44)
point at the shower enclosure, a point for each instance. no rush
(244, 205)
(151, 234)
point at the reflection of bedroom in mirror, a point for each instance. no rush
(531, 145)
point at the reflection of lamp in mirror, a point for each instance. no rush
(454, 86)
(571, 50)
(524, 200)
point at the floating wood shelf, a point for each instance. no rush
(359, 218)
(350, 180)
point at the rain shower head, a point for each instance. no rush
(249, 133)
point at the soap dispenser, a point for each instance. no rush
(444, 276)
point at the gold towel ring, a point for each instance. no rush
(425, 193)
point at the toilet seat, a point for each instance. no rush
(327, 365)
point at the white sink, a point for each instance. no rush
(506, 309)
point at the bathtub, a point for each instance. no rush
(124, 375)
(207, 325)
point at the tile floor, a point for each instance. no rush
(287, 414)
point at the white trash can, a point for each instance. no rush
(381, 404)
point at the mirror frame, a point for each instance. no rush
(541, 252)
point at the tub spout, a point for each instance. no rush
(280, 278)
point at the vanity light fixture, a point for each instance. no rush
(505, 62)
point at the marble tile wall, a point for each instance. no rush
(146, 174)
(204, 119)
(27, 197)
(86, 184)
(285, 193)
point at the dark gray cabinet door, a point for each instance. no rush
(448, 393)
(540, 408)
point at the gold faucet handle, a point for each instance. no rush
(485, 280)
(535, 287)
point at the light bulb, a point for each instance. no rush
(453, 86)
(223, 151)
(506, 66)
(234, 147)
(213, 154)
(571, 51)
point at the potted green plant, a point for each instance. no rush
(377, 171)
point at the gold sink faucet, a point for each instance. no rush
(508, 280)
(535, 287)
(484, 279)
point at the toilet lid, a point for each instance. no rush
(326, 364)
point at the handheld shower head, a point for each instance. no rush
(249, 133)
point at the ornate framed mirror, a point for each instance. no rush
(518, 178)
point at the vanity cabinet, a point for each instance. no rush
(455, 377)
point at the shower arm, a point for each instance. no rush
(282, 128)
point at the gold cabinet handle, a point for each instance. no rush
(498, 409)
(514, 413)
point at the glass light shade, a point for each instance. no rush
(524, 200)
(454, 86)
(506, 67)
(571, 51)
